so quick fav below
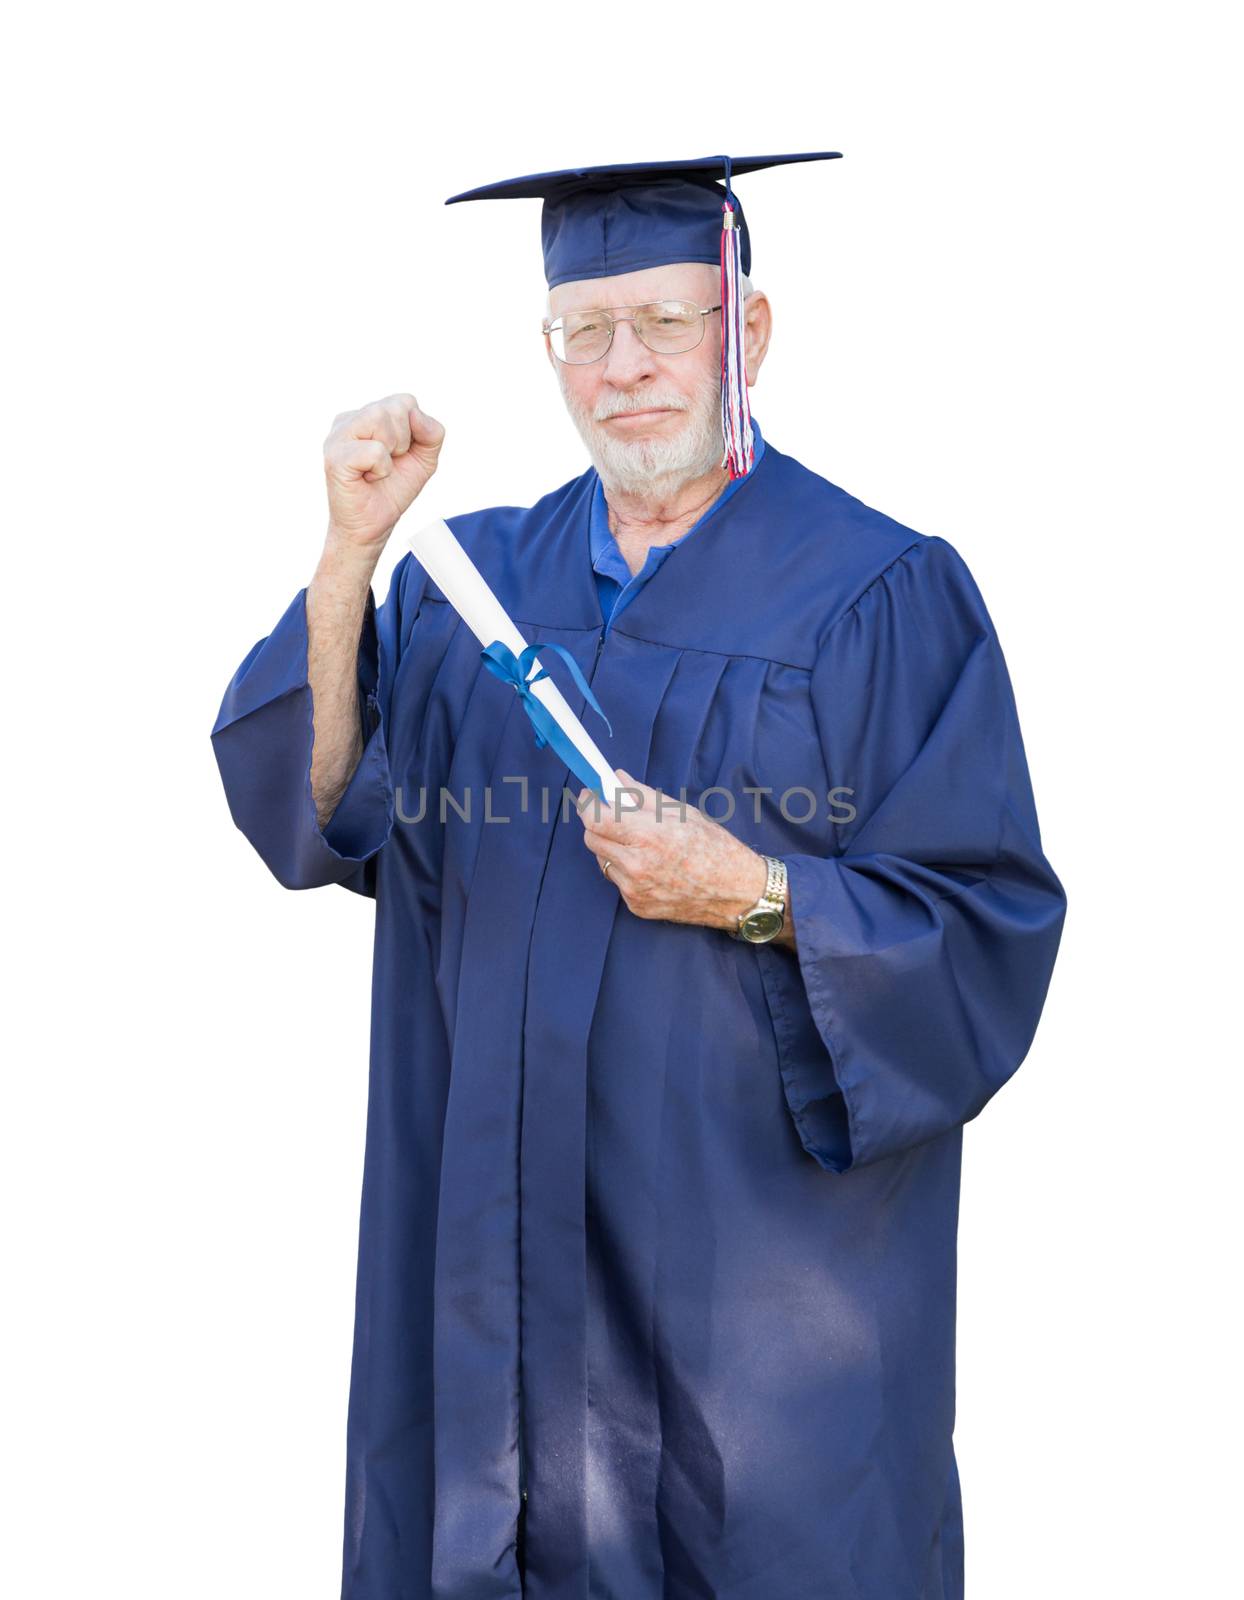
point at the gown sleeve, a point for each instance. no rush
(263, 736)
(926, 941)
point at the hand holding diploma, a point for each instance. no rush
(672, 862)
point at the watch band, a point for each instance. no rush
(772, 900)
(775, 885)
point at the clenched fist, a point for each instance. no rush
(376, 460)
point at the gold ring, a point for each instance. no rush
(605, 869)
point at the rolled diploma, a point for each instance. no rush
(461, 582)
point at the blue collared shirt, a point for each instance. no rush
(615, 583)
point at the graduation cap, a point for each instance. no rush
(599, 222)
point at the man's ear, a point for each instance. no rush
(757, 331)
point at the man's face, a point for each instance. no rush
(649, 421)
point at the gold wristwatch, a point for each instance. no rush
(766, 919)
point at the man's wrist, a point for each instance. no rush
(753, 886)
(752, 878)
(346, 564)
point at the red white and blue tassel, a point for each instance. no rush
(736, 417)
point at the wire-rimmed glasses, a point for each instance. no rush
(667, 326)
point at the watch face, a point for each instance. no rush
(761, 925)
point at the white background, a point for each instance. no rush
(1007, 316)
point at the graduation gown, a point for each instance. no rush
(657, 1248)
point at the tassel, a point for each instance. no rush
(736, 417)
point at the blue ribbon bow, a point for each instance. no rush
(502, 662)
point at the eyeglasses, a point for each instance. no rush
(666, 326)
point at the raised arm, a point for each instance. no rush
(299, 738)
(376, 461)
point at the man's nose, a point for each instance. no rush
(628, 360)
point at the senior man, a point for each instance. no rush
(657, 1251)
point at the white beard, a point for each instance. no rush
(645, 466)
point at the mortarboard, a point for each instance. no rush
(599, 222)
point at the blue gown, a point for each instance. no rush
(657, 1249)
